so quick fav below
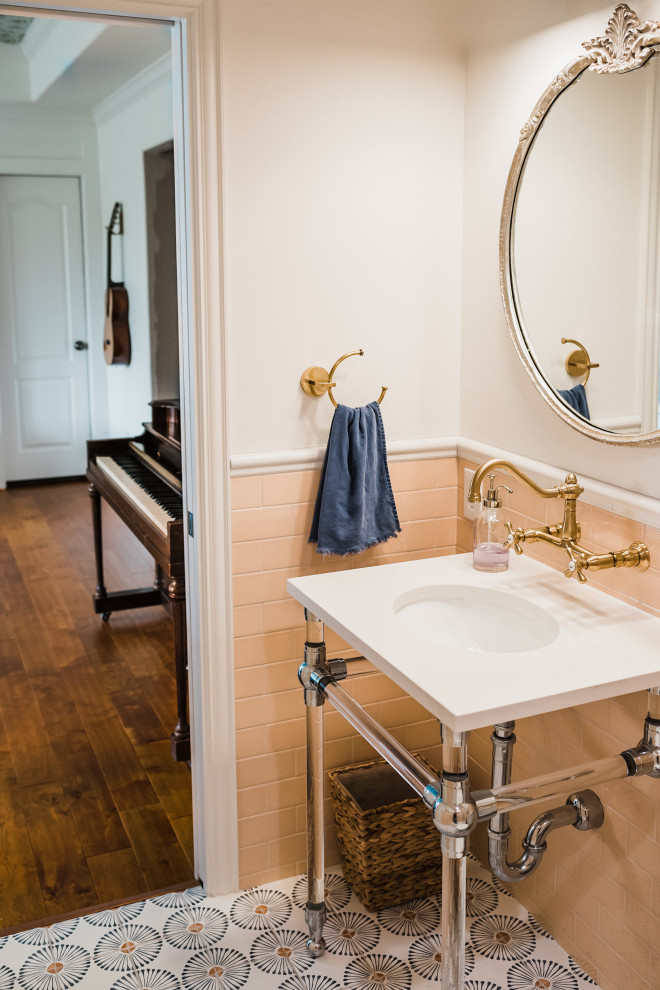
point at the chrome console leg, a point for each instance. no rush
(315, 911)
(455, 792)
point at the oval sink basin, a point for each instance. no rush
(477, 619)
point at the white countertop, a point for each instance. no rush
(603, 647)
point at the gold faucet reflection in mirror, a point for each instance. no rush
(564, 535)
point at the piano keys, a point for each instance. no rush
(154, 499)
(140, 478)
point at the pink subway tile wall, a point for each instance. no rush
(271, 516)
(597, 892)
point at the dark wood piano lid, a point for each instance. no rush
(174, 444)
(167, 449)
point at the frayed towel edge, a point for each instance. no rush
(359, 548)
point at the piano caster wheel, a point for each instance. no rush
(105, 616)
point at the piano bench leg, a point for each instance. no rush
(105, 616)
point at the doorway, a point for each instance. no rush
(99, 811)
(196, 91)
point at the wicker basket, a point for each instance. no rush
(390, 848)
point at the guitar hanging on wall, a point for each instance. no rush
(116, 333)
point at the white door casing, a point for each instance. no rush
(44, 391)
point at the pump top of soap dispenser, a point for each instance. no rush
(491, 500)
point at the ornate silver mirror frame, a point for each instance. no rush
(627, 44)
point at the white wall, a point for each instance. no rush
(342, 187)
(128, 124)
(499, 403)
(14, 72)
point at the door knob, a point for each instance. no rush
(81, 345)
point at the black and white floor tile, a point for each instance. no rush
(256, 941)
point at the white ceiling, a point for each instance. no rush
(119, 54)
(72, 66)
(91, 71)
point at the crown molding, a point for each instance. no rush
(147, 81)
(37, 35)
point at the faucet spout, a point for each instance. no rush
(570, 490)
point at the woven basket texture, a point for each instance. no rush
(390, 848)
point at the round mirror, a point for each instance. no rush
(580, 238)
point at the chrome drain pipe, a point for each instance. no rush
(582, 810)
(503, 740)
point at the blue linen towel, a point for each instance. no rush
(576, 397)
(355, 506)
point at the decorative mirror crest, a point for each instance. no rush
(626, 44)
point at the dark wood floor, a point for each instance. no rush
(92, 806)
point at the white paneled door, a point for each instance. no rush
(44, 390)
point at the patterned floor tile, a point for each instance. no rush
(256, 940)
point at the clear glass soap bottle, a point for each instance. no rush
(490, 533)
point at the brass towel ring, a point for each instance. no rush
(315, 381)
(578, 362)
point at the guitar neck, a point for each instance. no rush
(116, 220)
(109, 258)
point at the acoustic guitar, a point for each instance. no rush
(116, 333)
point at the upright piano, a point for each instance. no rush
(140, 478)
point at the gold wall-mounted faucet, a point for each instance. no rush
(566, 534)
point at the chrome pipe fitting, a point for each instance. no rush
(643, 760)
(546, 822)
(454, 816)
(583, 810)
(652, 727)
(314, 658)
(315, 916)
(589, 811)
(315, 671)
(652, 737)
(498, 850)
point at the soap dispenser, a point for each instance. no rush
(490, 533)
